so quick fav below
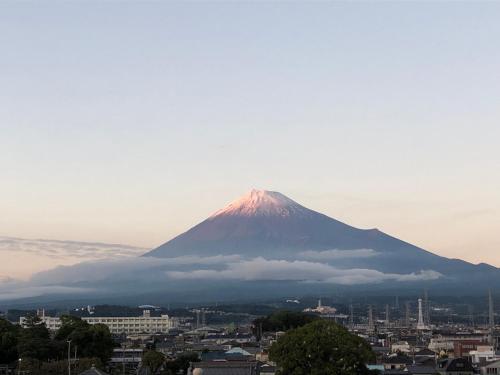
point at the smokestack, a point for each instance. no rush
(351, 316)
(471, 315)
(407, 315)
(370, 318)
(420, 324)
(491, 318)
(387, 315)
(427, 308)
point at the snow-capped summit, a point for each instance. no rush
(262, 203)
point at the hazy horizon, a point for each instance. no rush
(130, 123)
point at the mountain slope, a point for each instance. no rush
(268, 224)
(257, 223)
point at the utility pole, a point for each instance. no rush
(124, 346)
(69, 357)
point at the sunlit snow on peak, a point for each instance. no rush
(262, 203)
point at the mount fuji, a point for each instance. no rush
(270, 225)
(261, 245)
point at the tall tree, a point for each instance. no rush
(321, 348)
(89, 340)
(8, 341)
(153, 360)
(180, 364)
(34, 340)
(283, 321)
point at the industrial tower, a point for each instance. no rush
(420, 324)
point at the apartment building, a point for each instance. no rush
(140, 324)
(128, 325)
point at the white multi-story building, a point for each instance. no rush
(140, 324)
(128, 325)
(52, 323)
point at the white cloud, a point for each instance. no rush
(21, 258)
(147, 273)
(263, 269)
(13, 289)
(139, 268)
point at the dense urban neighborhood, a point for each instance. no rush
(404, 337)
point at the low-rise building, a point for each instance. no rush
(455, 366)
(492, 368)
(400, 347)
(132, 356)
(224, 368)
(396, 362)
(484, 354)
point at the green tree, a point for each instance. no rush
(34, 340)
(321, 348)
(70, 324)
(91, 341)
(153, 360)
(102, 343)
(8, 341)
(181, 363)
(282, 321)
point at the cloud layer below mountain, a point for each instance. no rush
(263, 269)
(149, 273)
(21, 258)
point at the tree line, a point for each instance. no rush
(31, 347)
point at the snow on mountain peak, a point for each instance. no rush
(261, 203)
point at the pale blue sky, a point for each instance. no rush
(130, 122)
